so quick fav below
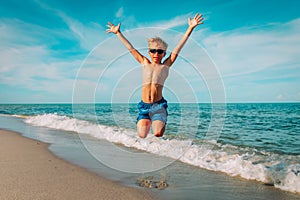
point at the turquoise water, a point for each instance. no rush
(273, 127)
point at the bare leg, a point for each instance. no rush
(143, 127)
(158, 128)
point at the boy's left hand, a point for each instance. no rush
(198, 19)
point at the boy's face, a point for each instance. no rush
(156, 53)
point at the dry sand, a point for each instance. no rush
(29, 171)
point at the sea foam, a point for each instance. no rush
(282, 171)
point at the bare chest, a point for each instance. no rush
(155, 74)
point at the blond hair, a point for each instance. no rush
(157, 41)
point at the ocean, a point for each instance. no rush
(254, 141)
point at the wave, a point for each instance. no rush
(281, 171)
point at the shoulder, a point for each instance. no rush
(145, 61)
(170, 60)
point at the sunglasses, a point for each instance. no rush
(159, 51)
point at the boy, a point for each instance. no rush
(153, 107)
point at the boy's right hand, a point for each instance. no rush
(112, 28)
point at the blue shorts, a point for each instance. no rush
(153, 111)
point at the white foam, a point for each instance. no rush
(288, 179)
(21, 116)
(231, 160)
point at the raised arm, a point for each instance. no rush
(198, 19)
(136, 54)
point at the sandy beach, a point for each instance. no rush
(30, 171)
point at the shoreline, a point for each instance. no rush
(30, 171)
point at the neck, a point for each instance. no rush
(158, 62)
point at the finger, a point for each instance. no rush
(110, 24)
(198, 17)
(109, 31)
(201, 22)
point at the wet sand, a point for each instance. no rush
(30, 171)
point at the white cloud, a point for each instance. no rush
(87, 35)
(279, 97)
(24, 66)
(120, 13)
(256, 63)
(251, 49)
(27, 60)
(169, 24)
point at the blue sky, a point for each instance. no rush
(58, 51)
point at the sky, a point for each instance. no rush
(58, 51)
